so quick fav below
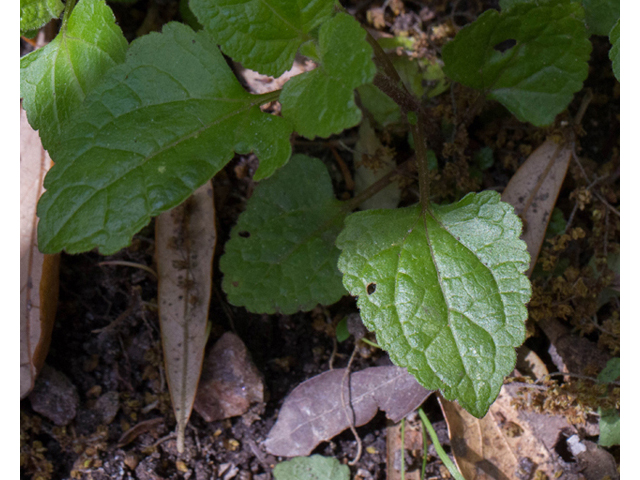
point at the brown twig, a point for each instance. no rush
(351, 417)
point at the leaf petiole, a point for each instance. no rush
(68, 8)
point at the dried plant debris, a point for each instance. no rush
(321, 407)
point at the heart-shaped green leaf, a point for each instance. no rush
(281, 255)
(158, 127)
(36, 13)
(55, 79)
(444, 290)
(321, 102)
(532, 57)
(263, 35)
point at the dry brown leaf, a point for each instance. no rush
(314, 412)
(185, 241)
(534, 189)
(38, 272)
(508, 443)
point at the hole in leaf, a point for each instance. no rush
(371, 288)
(244, 234)
(505, 45)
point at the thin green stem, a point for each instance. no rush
(369, 342)
(425, 451)
(68, 7)
(439, 450)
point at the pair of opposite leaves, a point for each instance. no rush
(159, 125)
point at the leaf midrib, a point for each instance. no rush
(145, 160)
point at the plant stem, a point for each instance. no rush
(391, 84)
(67, 13)
(420, 144)
(378, 186)
(425, 451)
(439, 450)
(369, 342)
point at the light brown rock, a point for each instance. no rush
(229, 383)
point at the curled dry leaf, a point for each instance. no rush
(314, 412)
(509, 442)
(534, 189)
(38, 272)
(185, 241)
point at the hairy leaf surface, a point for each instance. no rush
(614, 53)
(601, 15)
(321, 102)
(444, 291)
(36, 13)
(281, 255)
(158, 127)
(263, 35)
(55, 79)
(532, 57)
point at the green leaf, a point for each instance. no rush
(263, 35)
(281, 255)
(315, 467)
(444, 290)
(614, 53)
(384, 110)
(36, 13)
(188, 17)
(55, 79)
(158, 127)
(342, 330)
(601, 15)
(321, 102)
(611, 372)
(609, 428)
(532, 57)
(484, 158)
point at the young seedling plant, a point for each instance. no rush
(135, 129)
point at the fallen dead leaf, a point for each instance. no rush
(313, 412)
(229, 383)
(185, 241)
(510, 443)
(534, 189)
(38, 272)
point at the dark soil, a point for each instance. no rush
(125, 356)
